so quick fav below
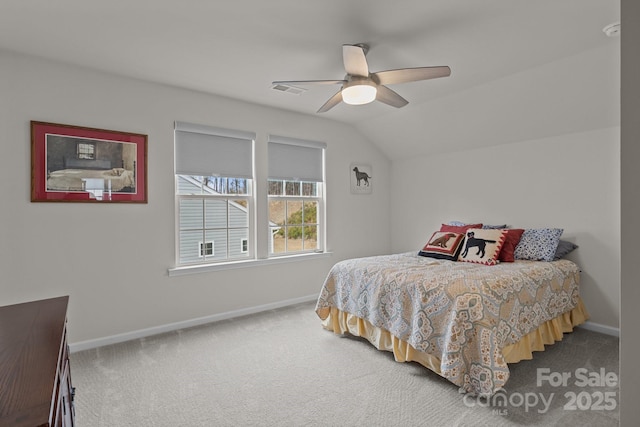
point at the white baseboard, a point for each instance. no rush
(603, 329)
(141, 333)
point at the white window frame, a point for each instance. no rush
(227, 198)
(195, 144)
(297, 160)
(319, 199)
(259, 228)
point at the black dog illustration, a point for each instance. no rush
(361, 176)
(481, 244)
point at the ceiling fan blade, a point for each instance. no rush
(332, 102)
(389, 97)
(405, 75)
(355, 61)
(309, 82)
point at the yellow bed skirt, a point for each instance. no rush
(548, 333)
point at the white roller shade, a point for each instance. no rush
(209, 151)
(295, 159)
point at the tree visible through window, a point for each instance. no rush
(294, 216)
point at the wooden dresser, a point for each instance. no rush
(35, 382)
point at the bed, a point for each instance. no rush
(114, 179)
(462, 320)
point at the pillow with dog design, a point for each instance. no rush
(482, 246)
(443, 245)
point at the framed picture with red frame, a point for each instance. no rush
(81, 164)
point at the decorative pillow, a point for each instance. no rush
(462, 224)
(482, 246)
(511, 241)
(564, 248)
(457, 223)
(443, 245)
(538, 244)
(492, 227)
(458, 228)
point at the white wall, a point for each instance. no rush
(554, 162)
(570, 182)
(112, 259)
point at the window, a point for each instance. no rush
(214, 196)
(86, 151)
(206, 249)
(296, 196)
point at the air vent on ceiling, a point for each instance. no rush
(288, 89)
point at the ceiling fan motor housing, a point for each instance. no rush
(359, 90)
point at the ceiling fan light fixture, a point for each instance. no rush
(359, 94)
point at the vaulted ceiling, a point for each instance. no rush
(521, 69)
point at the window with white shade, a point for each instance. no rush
(295, 196)
(214, 194)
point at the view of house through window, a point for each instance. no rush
(213, 218)
(216, 218)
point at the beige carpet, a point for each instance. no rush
(280, 368)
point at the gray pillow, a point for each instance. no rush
(538, 244)
(564, 248)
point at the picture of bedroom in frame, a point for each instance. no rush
(81, 164)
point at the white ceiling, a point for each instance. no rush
(236, 48)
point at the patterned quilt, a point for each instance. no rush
(464, 314)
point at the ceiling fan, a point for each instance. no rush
(360, 86)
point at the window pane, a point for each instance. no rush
(189, 250)
(294, 212)
(277, 244)
(238, 214)
(188, 184)
(311, 212)
(191, 214)
(294, 238)
(310, 241)
(276, 212)
(309, 189)
(238, 242)
(276, 188)
(219, 239)
(215, 213)
(237, 186)
(225, 185)
(212, 185)
(292, 188)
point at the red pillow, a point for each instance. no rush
(511, 241)
(459, 229)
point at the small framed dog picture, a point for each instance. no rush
(361, 178)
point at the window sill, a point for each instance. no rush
(204, 268)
